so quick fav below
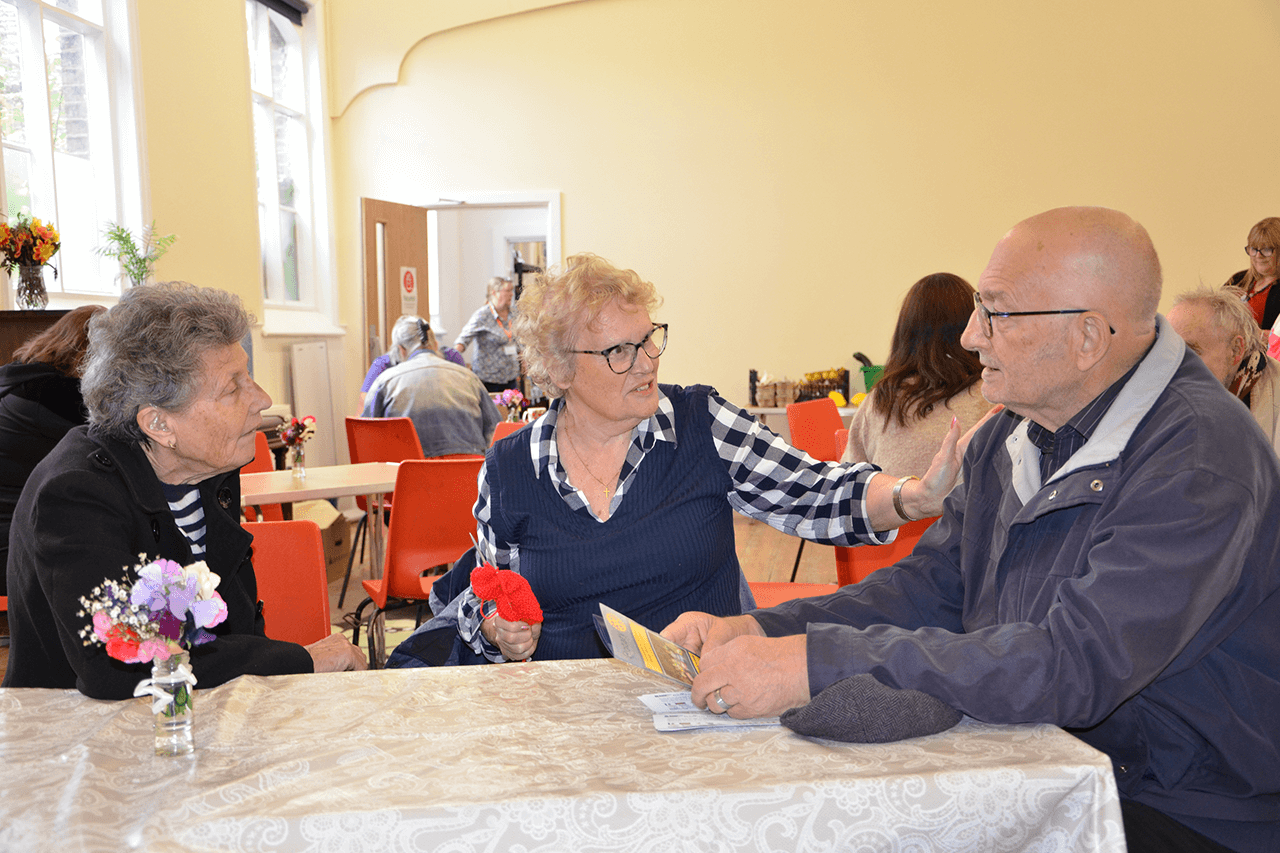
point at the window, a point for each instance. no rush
(287, 204)
(67, 132)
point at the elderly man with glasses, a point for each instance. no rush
(1109, 563)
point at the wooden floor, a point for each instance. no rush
(764, 553)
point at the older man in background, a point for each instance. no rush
(1218, 325)
(1108, 565)
(449, 406)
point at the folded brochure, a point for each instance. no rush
(633, 643)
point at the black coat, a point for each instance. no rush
(37, 407)
(88, 511)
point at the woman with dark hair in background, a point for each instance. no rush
(39, 401)
(928, 379)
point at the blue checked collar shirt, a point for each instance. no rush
(773, 482)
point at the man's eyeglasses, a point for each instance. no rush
(985, 314)
(622, 357)
(1254, 251)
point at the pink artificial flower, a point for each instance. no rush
(153, 649)
(210, 612)
(101, 625)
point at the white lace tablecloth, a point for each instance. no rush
(556, 756)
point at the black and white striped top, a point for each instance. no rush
(188, 512)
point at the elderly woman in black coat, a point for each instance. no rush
(172, 417)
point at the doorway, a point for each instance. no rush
(454, 246)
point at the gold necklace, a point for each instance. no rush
(573, 445)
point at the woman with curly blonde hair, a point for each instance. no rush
(623, 492)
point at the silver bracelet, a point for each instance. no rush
(897, 498)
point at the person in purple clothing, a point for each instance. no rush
(406, 336)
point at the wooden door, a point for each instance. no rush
(395, 250)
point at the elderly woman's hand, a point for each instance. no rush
(516, 640)
(336, 654)
(923, 498)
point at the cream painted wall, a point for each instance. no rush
(199, 156)
(783, 172)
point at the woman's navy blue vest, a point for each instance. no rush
(668, 549)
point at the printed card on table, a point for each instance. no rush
(633, 643)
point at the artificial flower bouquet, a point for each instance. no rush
(512, 400)
(25, 241)
(298, 431)
(167, 610)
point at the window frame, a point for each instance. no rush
(116, 125)
(314, 313)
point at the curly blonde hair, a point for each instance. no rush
(559, 303)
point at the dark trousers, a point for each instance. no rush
(1147, 830)
(499, 387)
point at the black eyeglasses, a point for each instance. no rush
(622, 357)
(1254, 250)
(985, 314)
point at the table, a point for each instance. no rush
(371, 479)
(553, 756)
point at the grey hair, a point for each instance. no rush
(407, 333)
(494, 284)
(1230, 312)
(148, 350)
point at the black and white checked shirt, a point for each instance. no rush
(773, 482)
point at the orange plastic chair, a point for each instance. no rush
(813, 426)
(433, 527)
(854, 564)
(263, 460)
(288, 560)
(842, 441)
(376, 440)
(769, 593)
(504, 429)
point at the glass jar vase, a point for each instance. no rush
(171, 681)
(30, 294)
(298, 461)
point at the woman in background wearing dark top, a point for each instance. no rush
(39, 401)
(1257, 280)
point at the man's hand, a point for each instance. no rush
(700, 632)
(516, 640)
(336, 654)
(755, 676)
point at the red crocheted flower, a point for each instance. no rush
(510, 591)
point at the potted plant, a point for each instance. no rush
(136, 261)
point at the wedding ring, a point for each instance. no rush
(724, 706)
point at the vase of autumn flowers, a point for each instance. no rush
(26, 245)
(157, 618)
(295, 435)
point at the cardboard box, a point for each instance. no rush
(335, 530)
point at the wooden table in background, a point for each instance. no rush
(371, 479)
